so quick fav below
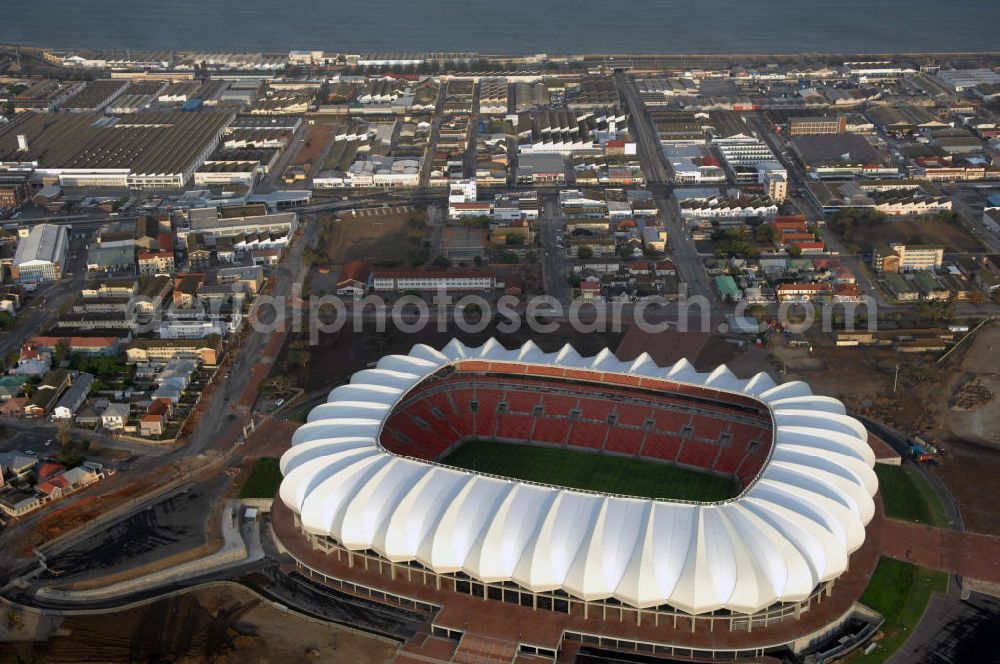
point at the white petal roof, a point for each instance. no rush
(792, 528)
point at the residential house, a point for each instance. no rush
(154, 421)
(115, 416)
(67, 482)
(47, 394)
(74, 397)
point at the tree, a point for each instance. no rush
(60, 353)
(441, 261)
(795, 251)
(584, 252)
(64, 436)
(310, 257)
(13, 618)
(6, 320)
(764, 233)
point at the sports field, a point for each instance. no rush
(590, 470)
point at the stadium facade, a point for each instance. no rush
(365, 507)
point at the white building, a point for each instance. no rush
(961, 80)
(463, 191)
(115, 416)
(190, 329)
(691, 164)
(432, 280)
(42, 255)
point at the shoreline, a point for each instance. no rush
(791, 56)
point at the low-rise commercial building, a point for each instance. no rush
(398, 280)
(208, 351)
(817, 125)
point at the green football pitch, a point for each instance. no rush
(590, 471)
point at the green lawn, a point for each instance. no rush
(900, 592)
(264, 479)
(907, 496)
(591, 471)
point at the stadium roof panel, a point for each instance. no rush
(792, 528)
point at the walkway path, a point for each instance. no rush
(971, 555)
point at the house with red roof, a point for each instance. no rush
(847, 293)
(666, 268)
(67, 482)
(802, 292)
(93, 346)
(590, 290)
(155, 419)
(49, 469)
(355, 279)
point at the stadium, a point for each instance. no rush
(531, 503)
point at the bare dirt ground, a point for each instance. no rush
(862, 379)
(971, 435)
(315, 142)
(375, 235)
(978, 370)
(345, 352)
(220, 625)
(952, 236)
(970, 471)
(923, 404)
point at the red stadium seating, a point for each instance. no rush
(515, 426)
(551, 430)
(587, 434)
(661, 446)
(624, 441)
(690, 425)
(633, 415)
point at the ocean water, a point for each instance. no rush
(509, 26)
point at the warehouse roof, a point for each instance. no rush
(45, 243)
(144, 143)
(835, 149)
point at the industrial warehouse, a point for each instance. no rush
(157, 150)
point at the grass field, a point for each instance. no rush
(907, 496)
(264, 479)
(900, 592)
(591, 471)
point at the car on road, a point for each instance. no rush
(48, 442)
(278, 403)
